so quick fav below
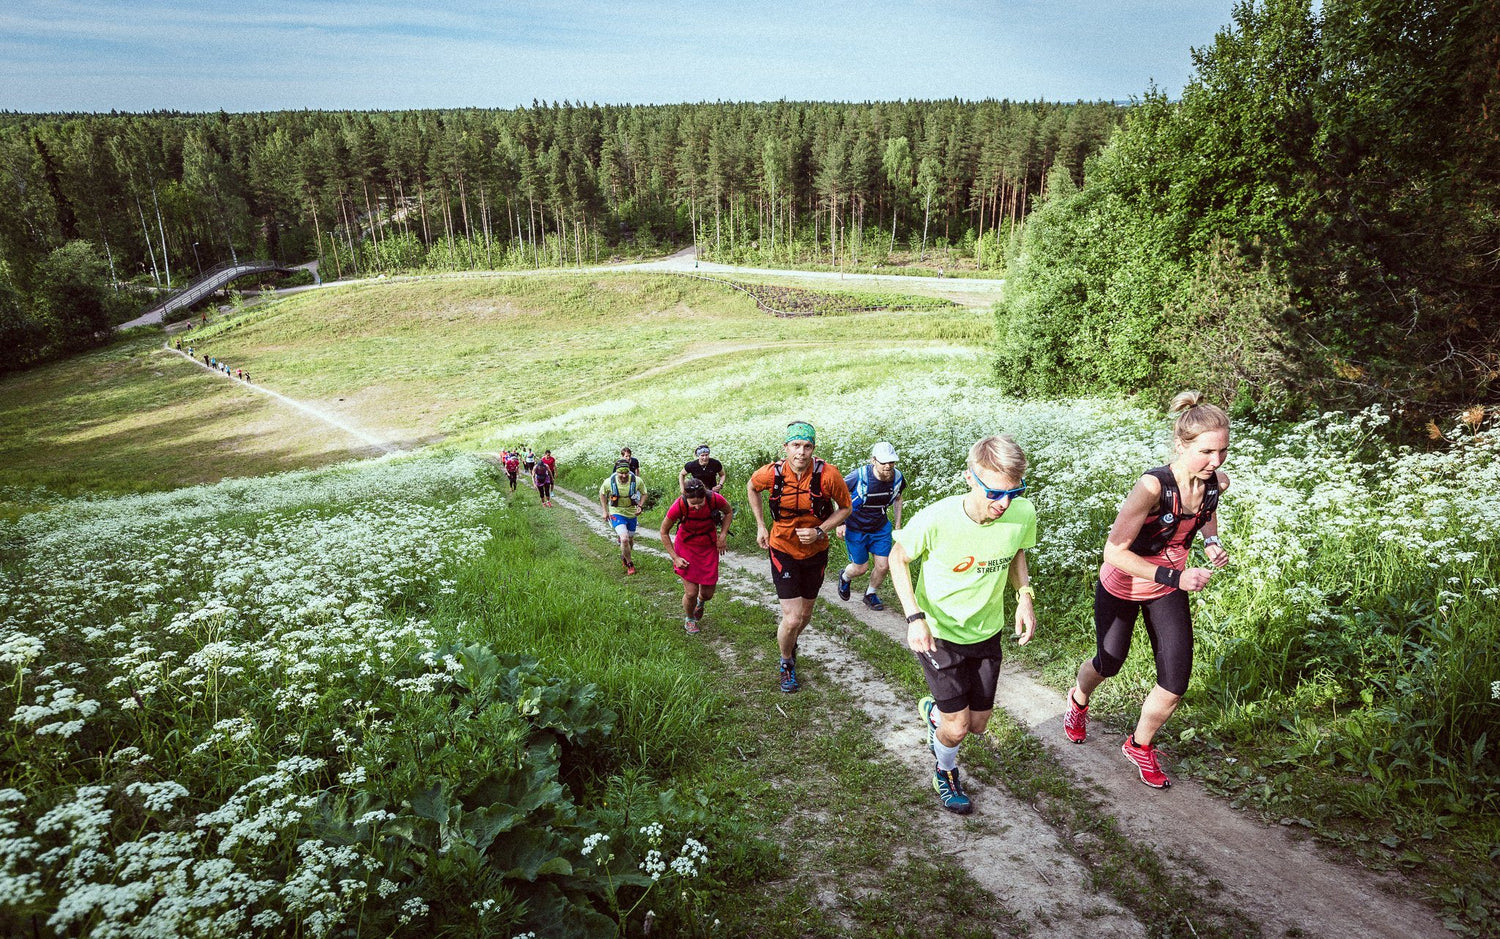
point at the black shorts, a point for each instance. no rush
(962, 675)
(798, 578)
(1169, 626)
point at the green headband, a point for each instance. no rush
(801, 430)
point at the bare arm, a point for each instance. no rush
(918, 636)
(1216, 553)
(762, 536)
(1133, 513)
(896, 513)
(1020, 576)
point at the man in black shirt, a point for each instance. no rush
(705, 469)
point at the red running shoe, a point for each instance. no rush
(1145, 760)
(629, 568)
(1076, 721)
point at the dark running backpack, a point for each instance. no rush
(1156, 532)
(822, 506)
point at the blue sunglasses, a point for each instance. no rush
(995, 495)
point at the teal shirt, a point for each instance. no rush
(965, 565)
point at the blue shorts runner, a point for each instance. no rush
(862, 544)
(615, 521)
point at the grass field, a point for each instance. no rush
(1345, 661)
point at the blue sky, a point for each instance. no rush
(63, 55)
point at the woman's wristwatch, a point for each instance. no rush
(1210, 540)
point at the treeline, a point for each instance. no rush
(159, 196)
(1317, 220)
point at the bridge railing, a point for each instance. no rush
(209, 281)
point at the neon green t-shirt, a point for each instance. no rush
(965, 565)
(628, 508)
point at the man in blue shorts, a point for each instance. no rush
(875, 489)
(620, 496)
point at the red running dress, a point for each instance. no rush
(697, 539)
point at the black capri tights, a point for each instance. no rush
(1168, 625)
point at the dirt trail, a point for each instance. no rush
(1271, 876)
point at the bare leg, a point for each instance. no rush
(877, 575)
(1088, 679)
(1160, 704)
(795, 614)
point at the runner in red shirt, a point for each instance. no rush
(702, 521)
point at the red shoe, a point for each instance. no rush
(629, 568)
(1076, 721)
(1145, 760)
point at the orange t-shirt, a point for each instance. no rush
(796, 496)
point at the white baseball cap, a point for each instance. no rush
(883, 453)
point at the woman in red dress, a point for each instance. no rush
(702, 521)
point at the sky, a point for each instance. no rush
(254, 55)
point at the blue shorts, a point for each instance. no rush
(862, 544)
(626, 522)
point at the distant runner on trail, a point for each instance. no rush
(635, 465)
(703, 468)
(543, 477)
(702, 520)
(808, 500)
(551, 462)
(621, 495)
(971, 546)
(875, 489)
(530, 462)
(1145, 572)
(512, 466)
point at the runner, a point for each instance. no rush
(971, 546)
(551, 462)
(703, 468)
(529, 461)
(635, 465)
(875, 488)
(543, 477)
(621, 495)
(1145, 572)
(808, 500)
(512, 466)
(702, 519)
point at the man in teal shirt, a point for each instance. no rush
(970, 546)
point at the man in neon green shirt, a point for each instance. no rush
(622, 496)
(970, 546)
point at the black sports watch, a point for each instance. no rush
(916, 616)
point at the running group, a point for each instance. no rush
(971, 546)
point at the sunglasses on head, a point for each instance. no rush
(995, 495)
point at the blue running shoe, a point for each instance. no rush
(873, 601)
(843, 588)
(789, 678)
(951, 791)
(929, 723)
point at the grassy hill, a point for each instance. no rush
(1345, 659)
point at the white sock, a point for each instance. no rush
(947, 757)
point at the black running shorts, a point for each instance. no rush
(798, 578)
(962, 675)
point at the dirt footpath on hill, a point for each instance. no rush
(1271, 876)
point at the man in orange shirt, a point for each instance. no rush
(809, 499)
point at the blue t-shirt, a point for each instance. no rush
(871, 498)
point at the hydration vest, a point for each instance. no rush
(705, 525)
(614, 489)
(822, 506)
(1157, 531)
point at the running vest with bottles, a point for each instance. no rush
(822, 506)
(871, 498)
(1160, 526)
(614, 490)
(700, 523)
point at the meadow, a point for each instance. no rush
(221, 694)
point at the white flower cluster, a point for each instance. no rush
(255, 596)
(594, 841)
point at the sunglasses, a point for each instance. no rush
(995, 495)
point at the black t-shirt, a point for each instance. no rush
(707, 474)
